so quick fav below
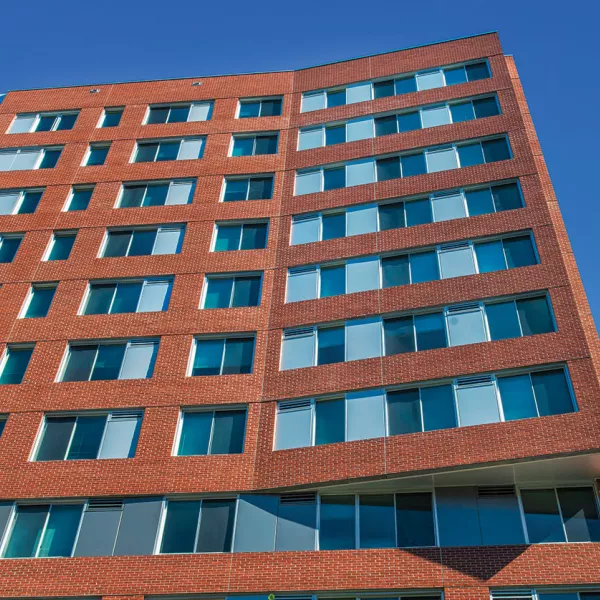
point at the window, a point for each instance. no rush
(79, 198)
(43, 122)
(402, 84)
(243, 236)
(461, 402)
(60, 245)
(127, 296)
(92, 436)
(14, 363)
(19, 202)
(143, 241)
(212, 432)
(96, 155)
(3, 420)
(38, 300)
(110, 360)
(248, 188)
(430, 160)
(232, 292)
(111, 117)
(169, 149)
(198, 526)
(23, 159)
(157, 193)
(408, 120)
(254, 144)
(179, 113)
(549, 594)
(9, 244)
(259, 107)
(222, 356)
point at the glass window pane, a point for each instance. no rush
(466, 327)
(228, 238)
(155, 296)
(260, 188)
(266, 144)
(168, 240)
(61, 530)
(228, 432)
(456, 262)
(395, 271)
(235, 189)
(363, 338)
(404, 412)
(310, 138)
(405, 85)
(480, 202)
(365, 415)
(462, 111)
(457, 514)
(256, 523)
(298, 351)
(485, 107)
(302, 284)
(441, 160)
(495, 150)
(79, 363)
(22, 124)
(383, 89)
(362, 274)
(399, 335)
(8, 249)
(216, 526)
(470, 154)
(490, 256)
(45, 123)
(552, 393)
(330, 426)
(331, 345)
(336, 134)
(27, 531)
(477, 404)
(507, 197)
(431, 331)
(55, 439)
(158, 115)
(180, 192)
(409, 121)
(100, 298)
(30, 202)
(254, 236)
(580, 514)
(61, 247)
(270, 108)
(142, 242)
(435, 116)
(361, 219)
(87, 437)
(359, 172)
(413, 164)
(126, 298)
(308, 182)
(195, 433)
(313, 101)
(80, 199)
(296, 525)
(428, 81)
(542, 516)
(117, 243)
(218, 292)
(376, 518)
(208, 357)
(418, 212)
(293, 427)
(40, 302)
(438, 407)
(337, 523)
(66, 122)
(7, 158)
(167, 151)
(334, 226)
(121, 436)
(139, 360)
(424, 266)
(477, 71)
(249, 109)
(336, 98)
(15, 365)
(358, 92)
(502, 320)
(535, 316)
(391, 216)
(334, 179)
(97, 156)
(246, 291)
(178, 114)
(517, 398)
(499, 518)
(180, 526)
(519, 252)
(146, 152)
(333, 281)
(386, 125)
(414, 520)
(388, 168)
(239, 354)
(156, 195)
(448, 206)
(108, 362)
(112, 118)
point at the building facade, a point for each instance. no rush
(305, 334)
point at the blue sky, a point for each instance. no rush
(69, 42)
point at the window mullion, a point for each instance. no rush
(562, 519)
(94, 363)
(41, 540)
(198, 527)
(232, 292)
(533, 393)
(223, 356)
(68, 448)
(212, 432)
(127, 346)
(99, 452)
(112, 300)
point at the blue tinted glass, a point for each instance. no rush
(156, 195)
(503, 321)
(266, 144)
(485, 107)
(61, 247)
(167, 151)
(97, 157)
(45, 123)
(409, 121)
(477, 71)
(383, 89)
(235, 189)
(455, 75)
(246, 291)
(27, 531)
(431, 331)
(580, 514)
(158, 115)
(462, 111)
(254, 236)
(418, 212)
(80, 199)
(337, 525)
(399, 335)
(228, 434)
(386, 125)
(51, 158)
(270, 108)
(180, 527)
(413, 164)
(61, 529)
(414, 520)
(239, 354)
(178, 114)
(15, 365)
(117, 243)
(388, 168)
(495, 150)
(208, 357)
(404, 412)
(535, 316)
(517, 398)
(395, 270)
(87, 437)
(424, 267)
(490, 257)
(216, 526)
(438, 407)
(8, 249)
(391, 216)
(507, 197)
(542, 516)
(40, 302)
(376, 518)
(480, 202)
(249, 109)
(66, 122)
(470, 154)
(55, 439)
(519, 252)
(406, 85)
(218, 292)
(335, 135)
(228, 238)
(108, 361)
(80, 363)
(146, 152)
(133, 195)
(334, 226)
(30, 202)
(333, 281)
(112, 118)
(552, 392)
(334, 178)
(243, 146)
(142, 242)
(195, 433)
(126, 298)
(330, 426)
(100, 298)
(331, 345)
(336, 98)
(261, 188)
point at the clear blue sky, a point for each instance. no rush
(555, 44)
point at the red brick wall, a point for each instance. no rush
(464, 573)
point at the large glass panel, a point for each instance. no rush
(457, 514)
(361, 219)
(399, 335)
(409, 121)
(298, 351)
(302, 285)
(437, 115)
(423, 266)
(127, 297)
(333, 281)
(195, 433)
(395, 271)
(308, 182)
(310, 138)
(80, 362)
(413, 164)
(499, 518)
(208, 357)
(55, 439)
(448, 206)
(228, 432)
(239, 353)
(542, 516)
(256, 523)
(495, 150)
(254, 236)
(441, 160)
(431, 331)
(335, 134)
(535, 316)
(313, 101)
(391, 216)
(337, 523)
(363, 338)
(359, 172)
(517, 398)
(414, 520)
(470, 154)
(376, 518)
(218, 292)
(480, 202)
(428, 81)
(388, 168)
(490, 256)
(404, 412)
(334, 226)
(477, 404)
(330, 425)
(87, 437)
(466, 327)
(334, 179)
(39, 304)
(216, 526)
(100, 298)
(502, 319)
(438, 407)
(519, 252)
(142, 242)
(456, 262)
(108, 361)
(26, 531)
(296, 525)
(552, 393)
(180, 527)
(15, 365)
(293, 427)
(331, 345)
(305, 231)
(365, 415)
(235, 190)
(362, 274)
(507, 197)
(580, 514)
(246, 291)
(61, 530)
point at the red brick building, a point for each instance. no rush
(311, 333)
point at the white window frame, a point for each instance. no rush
(95, 146)
(234, 277)
(77, 188)
(19, 203)
(251, 100)
(158, 228)
(215, 232)
(171, 105)
(150, 183)
(37, 117)
(249, 178)
(109, 110)
(220, 336)
(57, 234)
(159, 141)
(254, 136)
(34, 286)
